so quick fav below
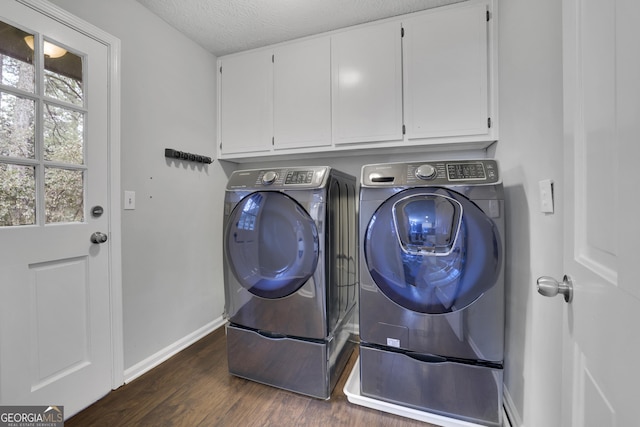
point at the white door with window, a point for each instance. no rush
(601, 354)
(55, 263)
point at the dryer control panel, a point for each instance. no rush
(279, 178)
(432, 173)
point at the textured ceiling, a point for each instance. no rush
(228, 26)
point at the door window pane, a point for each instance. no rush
(63, 134)
(17, 195)
(16, 58)
(33, 146)
(62, 75)
(64, 189)
(17, 126)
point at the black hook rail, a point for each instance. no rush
(183, 155)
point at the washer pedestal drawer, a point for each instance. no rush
(307, 367)
(468, 392)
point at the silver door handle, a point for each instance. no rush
(98, 237)
(550, 287)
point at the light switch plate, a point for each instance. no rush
(546, 196)
(129, 200)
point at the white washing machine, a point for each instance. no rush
(432, 287)
(290, 254)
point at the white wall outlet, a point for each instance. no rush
(546, 196)
(129, 200)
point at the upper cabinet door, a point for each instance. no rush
(367, 84)
(302, 94)
(446, 72)
(246, 92)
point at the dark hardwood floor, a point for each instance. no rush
(194, 388)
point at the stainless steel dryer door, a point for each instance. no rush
(271, 244)
(432, 250)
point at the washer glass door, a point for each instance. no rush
(432, 250)
(271, 244)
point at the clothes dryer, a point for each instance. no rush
(432, 288)
(290, 252)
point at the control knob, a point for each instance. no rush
(269, 177)
(426, 172)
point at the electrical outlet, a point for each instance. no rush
(129, 200)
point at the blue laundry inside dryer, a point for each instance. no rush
(272, 244)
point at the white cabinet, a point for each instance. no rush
(245, 107)
(367, 84)
(366, 88)
(276, 98)
(446, 80)
(302, 94)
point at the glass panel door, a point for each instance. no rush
(42, 130)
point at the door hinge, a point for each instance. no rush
(273, 59)
(404, 129)
(273, 140)
(401, 31)
(221, 69)
(488, 16)
(220, 145)
(489, 122)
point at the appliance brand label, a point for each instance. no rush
(393, 342)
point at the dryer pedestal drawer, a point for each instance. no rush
(306, 367)
(467, 392)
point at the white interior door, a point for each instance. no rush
(601, 355)
(55, 326)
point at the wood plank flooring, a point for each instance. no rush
(194, 388)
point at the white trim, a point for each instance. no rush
(115, 236)
(156, 359)
(512, 418)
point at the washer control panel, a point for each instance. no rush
(451, 172)
(296, 177)
(279, 178)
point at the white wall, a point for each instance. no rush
(530, 149)
(172, 260)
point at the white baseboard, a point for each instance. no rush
(154, 360)
(511, 410)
